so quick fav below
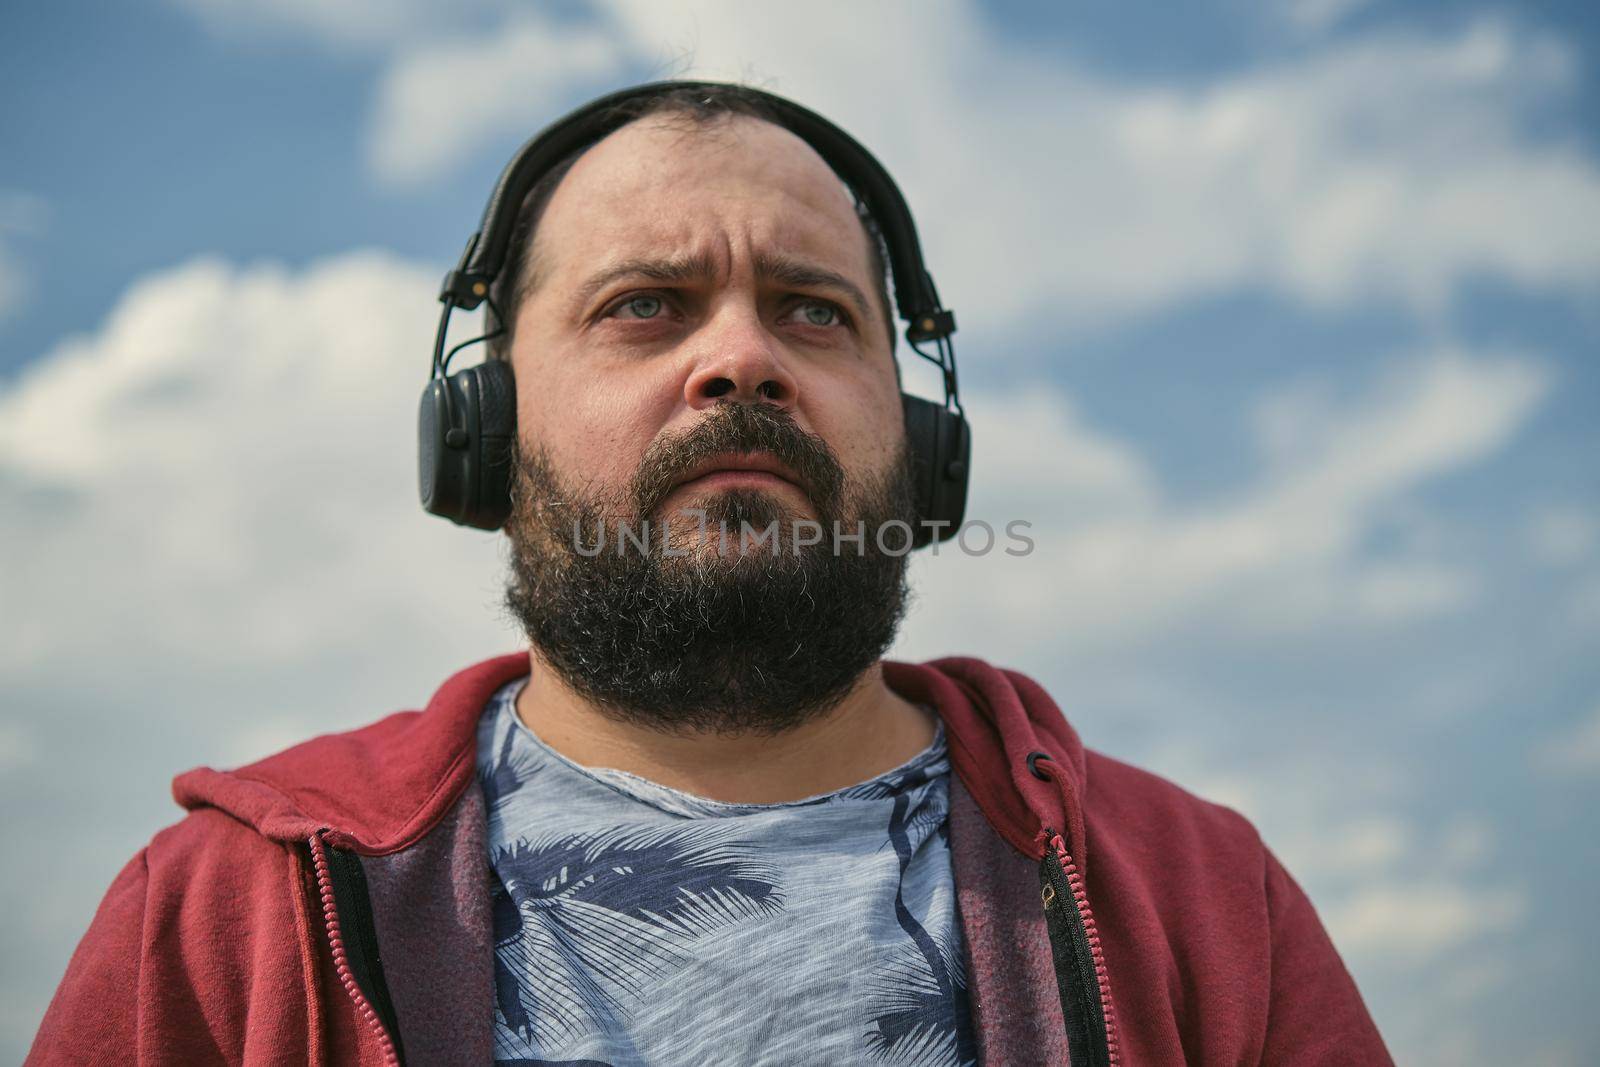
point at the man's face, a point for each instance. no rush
(703, 302)
(677, 267)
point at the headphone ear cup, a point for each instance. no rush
(464, 462)
(941, 455)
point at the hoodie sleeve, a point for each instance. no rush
(198, 954)
(1315, 1015)
(93, 1017)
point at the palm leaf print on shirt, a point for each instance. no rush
(508, 773)
(919, 999)
(915, 1019)
(597, 917)
(920, 773)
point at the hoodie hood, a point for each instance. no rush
(380, 788)
(995, 720)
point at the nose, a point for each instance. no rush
(737, 358)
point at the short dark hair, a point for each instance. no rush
(701, 106)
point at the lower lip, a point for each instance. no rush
(734, 479)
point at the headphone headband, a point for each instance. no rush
(915, 296)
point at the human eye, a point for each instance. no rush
(638, 306)
(821, 313)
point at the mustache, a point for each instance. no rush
(734, 427)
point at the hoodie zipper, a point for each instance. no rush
(1081, 975)
(347, 913)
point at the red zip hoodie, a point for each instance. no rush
(330, 904)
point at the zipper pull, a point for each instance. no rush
(1049, 895)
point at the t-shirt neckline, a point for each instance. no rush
(928, 764)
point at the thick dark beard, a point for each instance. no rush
(730, 643)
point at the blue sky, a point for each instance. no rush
(1278, 322)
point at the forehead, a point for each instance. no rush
(666, 185)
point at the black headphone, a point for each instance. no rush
(468, 420)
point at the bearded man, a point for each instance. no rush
(701, 820)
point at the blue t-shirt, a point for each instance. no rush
(638, 924)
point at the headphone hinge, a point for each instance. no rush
(931, 325)
(464, 290)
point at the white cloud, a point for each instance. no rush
(1395, 896)
(1367, 844)
(1316, 16)
(1418, 920)
(242, 449)
(1387, 168)
(1403, 899)
(1466, 843)
(1117, 558)
(1563, 536)
(1576, 752)
(437, 103)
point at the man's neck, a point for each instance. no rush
(871, 731)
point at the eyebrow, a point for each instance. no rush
(802, 275)
(784, 270)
